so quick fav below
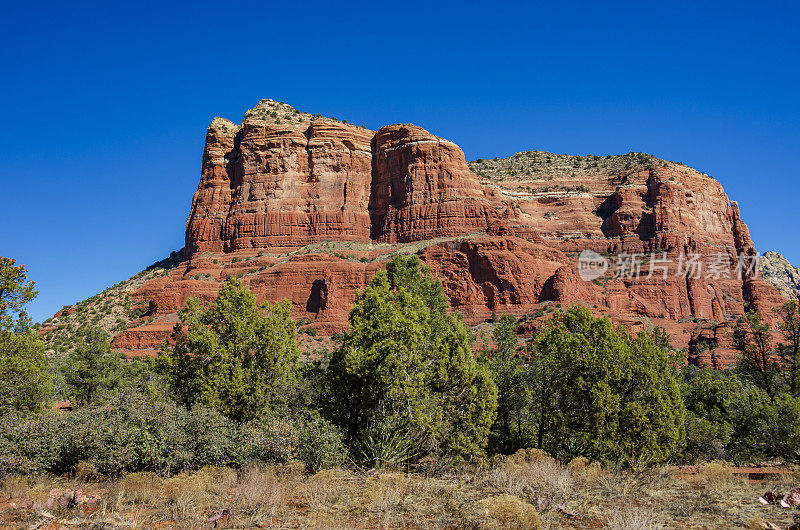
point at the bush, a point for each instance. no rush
(201, 437)
(86, 471)
(319, 444)
(783, 428)
(512, 512)
(578, 465)
(134, 434)
(31, 444)
(235, 355)
(311, 439)
(268, 438)
(528, 456)
(510, 372)
(708, 395)
(731, 418)
(130, 434)
(25, 380)
(91, 371)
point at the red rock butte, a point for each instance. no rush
(308, 208)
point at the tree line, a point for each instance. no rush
(406, 384)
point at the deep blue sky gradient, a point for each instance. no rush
(105, 104)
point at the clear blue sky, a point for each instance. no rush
(105, 105)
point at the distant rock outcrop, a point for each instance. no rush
(777, 270)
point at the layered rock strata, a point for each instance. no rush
(307, 208)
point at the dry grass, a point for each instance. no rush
(388, 496)
(632, 518)
(718, 479)
(716, 471)
(593, 472)
(141, 487)
(211, 480)
(319, 491)
(189, 505)
(259, 493)
(14, 487)
(543, 477)
(191, 495)
(529, 490)
(791, 476)
(627, 482)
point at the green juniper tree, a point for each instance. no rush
(758, 361)
(92, 370)
(789, 350)
(25, 381)
(406, 369)
(235, 355)
(602, 393)
(511, 373)
(15, 292)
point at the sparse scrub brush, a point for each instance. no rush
(578, 464)
(259, 492)
(86, 471)
(632, 518)
(511, 512)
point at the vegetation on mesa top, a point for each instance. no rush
(541, 165)
(278, 112)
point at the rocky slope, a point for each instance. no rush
(112, 310)
(783, 275)
(307, 208)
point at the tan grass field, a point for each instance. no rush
(528, 492)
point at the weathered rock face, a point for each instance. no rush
(502, 274)
(294, 179)
(280, 183)
(211, 202)
(422, 188)
(307, 208)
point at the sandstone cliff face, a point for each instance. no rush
(307, 208)
(280, 180)
(422, 188)
(286, 179)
